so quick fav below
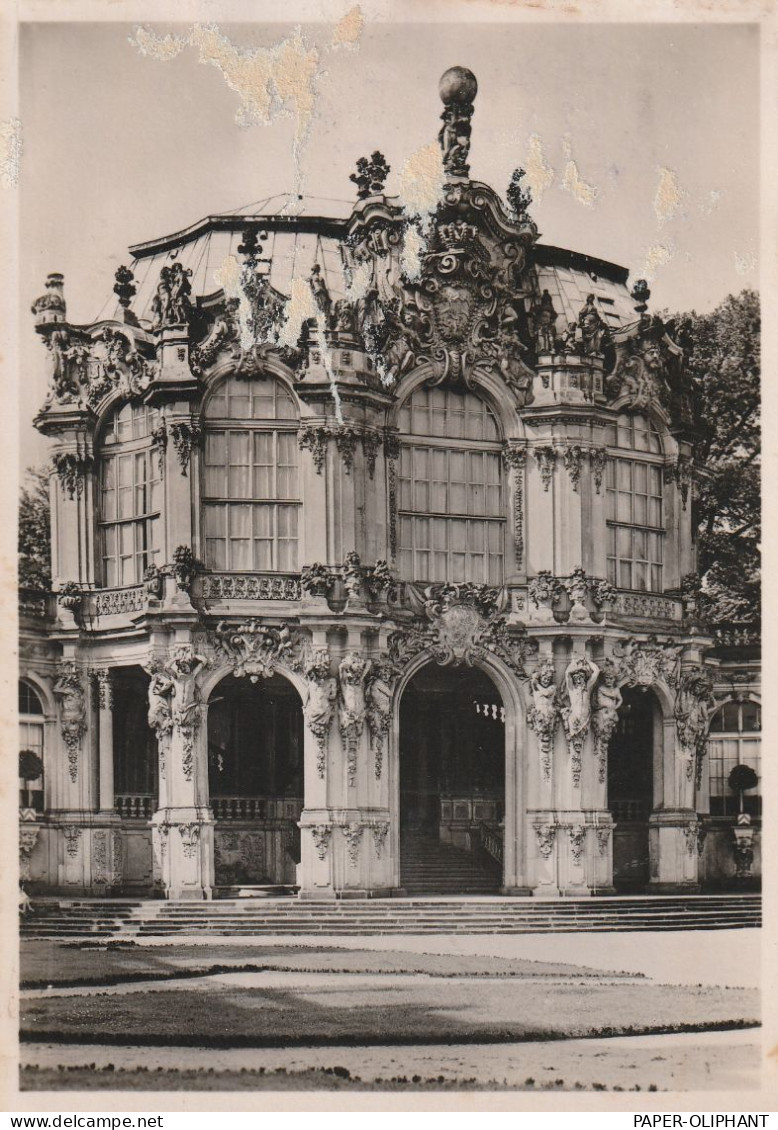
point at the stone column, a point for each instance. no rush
(673, 829)
(106, 845)
(346, 823)
(104, 682)
(182, 830)
(314, 876)
(74, 791)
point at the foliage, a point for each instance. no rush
(724, 366)
(30, 765)
(35, 531)
(742, 778)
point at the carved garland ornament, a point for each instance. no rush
(577, 834)
(380, 832)
(598, 458)
(378, 692)
(186, 435)
(545, 834)
(103, 677)
(69, 689)
(72, 834)
(352, 833)
(190, 837)
(322, 834)
(515, 458)
(392, 453)
(545, 457)
(314, 438)
(573, 454)
(72, 468)
(682, 473)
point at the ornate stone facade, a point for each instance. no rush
(295, 780)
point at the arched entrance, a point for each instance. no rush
(631, 787)
(255, 776)
(452, 782)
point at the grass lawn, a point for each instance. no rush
(236, 1011)
(45, 963)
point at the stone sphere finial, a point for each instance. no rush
(458, 86)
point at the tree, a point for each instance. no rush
(35, 531)
(724, 366)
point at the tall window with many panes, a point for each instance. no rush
(451, 506)
(130, 495)
(735, 739)
(635, 512)
(31, 733)
(251, 494)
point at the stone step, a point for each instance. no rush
(83, 918)
(418, 928)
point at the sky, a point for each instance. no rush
(643, 141)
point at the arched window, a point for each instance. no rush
(635, 516)
(451, 509)
(30, 741)
(130, 495)
(251, 494)
(735, 739)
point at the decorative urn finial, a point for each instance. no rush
(124, 286)
(458, 88)
(640, 295)
(50, 307)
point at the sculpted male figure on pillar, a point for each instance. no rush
(160, 715)
(319, 701)
(694, 707)
(580, 678)
(183, 669)
(607, 700)
(543, 714)
(353, 672)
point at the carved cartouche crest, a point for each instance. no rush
(254, 649)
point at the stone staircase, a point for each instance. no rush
(428, 866)
(122, 920)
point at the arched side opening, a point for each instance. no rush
(631, 786)
(255, 774)
(452, 782)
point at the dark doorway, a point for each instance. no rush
(255, 775)
(631, 787)
(135, 753)
(452, 781)
(255, 739)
